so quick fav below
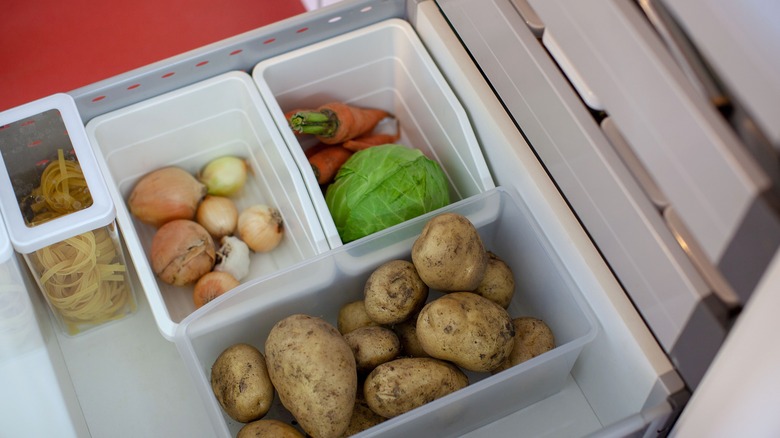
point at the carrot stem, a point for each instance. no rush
(322, 122)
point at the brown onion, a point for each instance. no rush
(218, 215)
(164, 195)
(261, 227)
(212, 285)
(182, 252)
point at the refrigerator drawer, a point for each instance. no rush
(622, 382)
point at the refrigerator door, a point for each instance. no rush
(687, 318)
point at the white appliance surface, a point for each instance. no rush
(129, 381)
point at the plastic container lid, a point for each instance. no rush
(37, 127)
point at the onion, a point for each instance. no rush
(212, 285)
(182, 252)
(164, 195)
(224, 176)
(261, 227)
(233, 257)
(218, 215)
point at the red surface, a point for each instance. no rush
(51, 46)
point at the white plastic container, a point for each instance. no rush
(30, 358)
(188, 127)
(18, 327)
(322, 285)
(381, 66)
(59, 215)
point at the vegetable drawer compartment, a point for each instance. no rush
(321, 286)
(382, 66)
(188, 128)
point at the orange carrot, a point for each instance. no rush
(366, 141)
(336, 122)
(327, 162)
(316, 148)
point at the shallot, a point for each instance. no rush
(261, 227)
(218, 215)
(212, 285)
(224, 176)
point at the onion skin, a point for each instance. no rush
(164, 195)
(212, 285)
(218, 215)
(182, 252)
(261, 227)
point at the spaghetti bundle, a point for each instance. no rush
(63, 190)
(82, 277)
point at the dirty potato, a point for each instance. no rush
(449, 254)
(498, 283)
(372, 346)
(240, 381)
(362, 416)
(466, 329)
(407, 335)
(393, 292)
(353, 315)
(532, 338)
(268, 428)
(313, 370)
(403, 384)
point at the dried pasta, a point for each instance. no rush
(82, 277)
(63, 190)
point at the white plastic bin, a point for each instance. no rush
(381, 66)
(188, 127)
(18, 326)
(322, 285)
(59, 215)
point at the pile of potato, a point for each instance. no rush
(391, 352)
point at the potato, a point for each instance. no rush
(498, 283)
(240, 381)
(362, 416)
(353, 315)
(313, 370)
(466, 329)
(268, 428)
(407, 335)
(449, 254)
(393, 292)
(532, 338)
(403, 384)
(372, 346)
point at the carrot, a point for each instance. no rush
(289, 114)
(366, 141)
(316, 148)
(336, 122)
(327, 162)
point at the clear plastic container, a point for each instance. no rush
(188, 127)
(59, 215)
(383, 66)
(320, 286)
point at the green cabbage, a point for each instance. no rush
(383, 186)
